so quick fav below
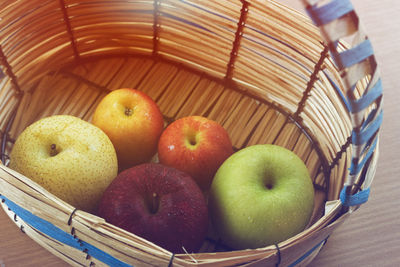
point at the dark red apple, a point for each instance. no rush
(159, 203)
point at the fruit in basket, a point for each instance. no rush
(71, 158)
(195, 145)
(261, 195)
(133, 122)
(158, 203)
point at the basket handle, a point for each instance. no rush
(338, 20)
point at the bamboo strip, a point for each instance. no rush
(78, 99)
(288, 136)
(11, 13)
(31, 32)
(205, 59)
(222, 108)
(31, 73)
(157, 79)
(60, 91)
(131, 73)
(209, 70)
(240, 119)
(209, 17)
(8, 100)
(343, 173)
(91, 51)
(25, 52)
(240, 140)
(45, 96)
(80, 15)
(334, 108)
(342, 117)
(327, 127)
(100, 73)
(317, 131)
(202, 99)
(264, 127)
(21, 116)
(314, 163)
(180, 88)
(272, 130)
(275, 64)
(287, 26)
(303, 147)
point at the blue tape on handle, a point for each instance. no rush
(329, 12)
(354, 55)
(367, 131)
(354, 200)
(56, 233)
(356, 166)
(374, 93)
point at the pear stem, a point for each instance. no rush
(53, 150)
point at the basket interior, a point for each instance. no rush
(259, 69)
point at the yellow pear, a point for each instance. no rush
(69, 157)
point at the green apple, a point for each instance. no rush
(261, 195)
(69, 157)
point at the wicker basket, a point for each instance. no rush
(259, 68)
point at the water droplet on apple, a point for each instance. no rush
(171, 147)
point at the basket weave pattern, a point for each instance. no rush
(259, 68)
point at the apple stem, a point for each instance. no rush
(154, 203)
(128, 111)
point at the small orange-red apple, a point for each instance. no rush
(195, 145)
(133, 122)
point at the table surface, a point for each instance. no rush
(371, 236)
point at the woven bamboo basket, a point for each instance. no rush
(267, 73)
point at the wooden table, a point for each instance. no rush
(371, 236)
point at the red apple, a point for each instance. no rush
(133, 122)
(195, 145)
(158, 203)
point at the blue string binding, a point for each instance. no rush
(56, 233)
(359, 198)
